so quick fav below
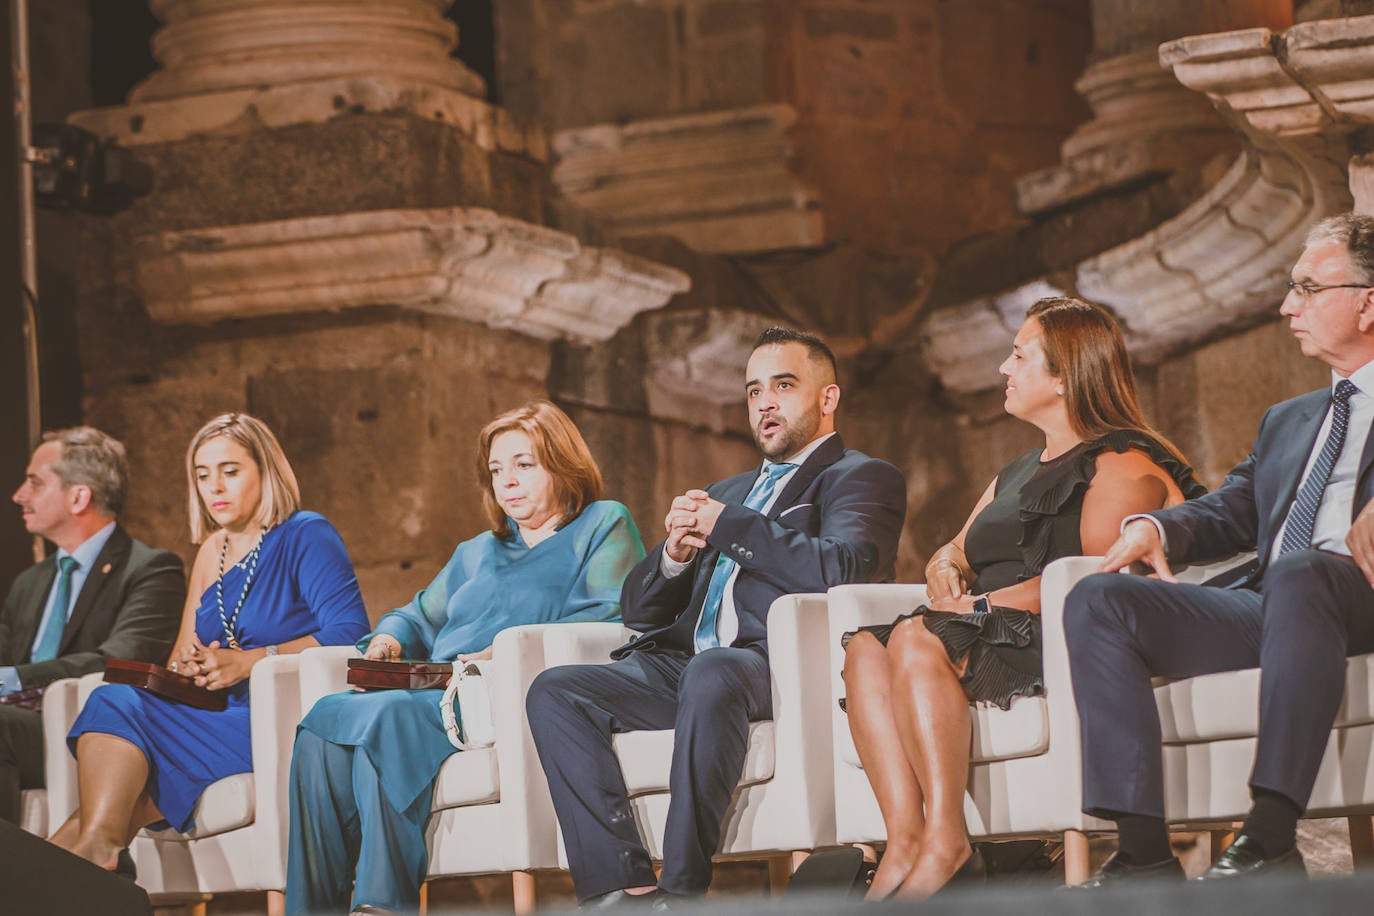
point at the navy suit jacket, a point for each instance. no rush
(1247, 510)
(837, 520)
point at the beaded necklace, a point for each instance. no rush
(228, 622)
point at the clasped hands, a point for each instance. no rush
(946, 588)
(690, 520)
(213, 667)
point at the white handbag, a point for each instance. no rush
(471, 727)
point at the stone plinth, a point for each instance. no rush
(467, 263)
(718, 181)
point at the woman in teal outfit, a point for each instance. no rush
(363, 768)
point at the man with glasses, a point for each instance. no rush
(1301, 498)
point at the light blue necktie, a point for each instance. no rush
(706, 636)
(1302, 519)
(56, 620)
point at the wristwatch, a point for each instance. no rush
(981, 605)
(273, 650)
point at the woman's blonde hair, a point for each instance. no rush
(1084, 348)
(281, 495)
(559, 447)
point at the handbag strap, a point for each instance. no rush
(452, 727)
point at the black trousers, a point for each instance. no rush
(1312, 610)
(707, 699)
(21, 757)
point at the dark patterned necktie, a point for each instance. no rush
(1303, 516)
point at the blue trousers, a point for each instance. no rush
(1311, 611)
(345, 833)
(707, 699)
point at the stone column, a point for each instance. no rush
(1144, 122)
(223, 45)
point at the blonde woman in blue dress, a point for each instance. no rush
(363, 769)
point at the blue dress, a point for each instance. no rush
(304, 586)
(488, 584)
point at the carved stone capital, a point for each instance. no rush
(695, 364)
(462, 262)
(1222, 262)
(718, 181)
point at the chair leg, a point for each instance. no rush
(779, 873)
(798, 858)
(1361, 828)
(424, 898)
(276, 903)
(1076, 857)
(1221, 840)
(522, 885)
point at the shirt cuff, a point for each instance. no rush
(9, 681)
(670, 568)
(1163, 541)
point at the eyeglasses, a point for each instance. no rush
(1306, 291)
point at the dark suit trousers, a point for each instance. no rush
(1312, 610)
(21, 757)
(708, 700)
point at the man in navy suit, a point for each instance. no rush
(1301, 498)
(814, 515)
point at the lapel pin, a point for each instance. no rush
(105, 570)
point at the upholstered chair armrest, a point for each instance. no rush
(799, 655)
(582, 643)
(274, 698)
(62, 702)
(324, 670)
(517, 658)
(854, 606)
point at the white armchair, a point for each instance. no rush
(239, 839)
(1024, 774)
(491, 812)
(783, 804)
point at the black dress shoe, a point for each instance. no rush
(618, 900)
(124, 866)
(367, 909)
(665, 902)
(1246, 857)
(1115, 872)
(974, 871)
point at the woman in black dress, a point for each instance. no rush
(909, 683)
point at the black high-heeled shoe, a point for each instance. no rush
(974, 871)
(124, 866)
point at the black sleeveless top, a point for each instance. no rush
(1036, 508)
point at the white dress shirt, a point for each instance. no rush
(727, 624)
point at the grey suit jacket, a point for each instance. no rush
(129, 607)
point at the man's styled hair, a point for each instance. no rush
(93, 459)
(1356, 232)
(281, 495)
(558, 446)
(816, 347)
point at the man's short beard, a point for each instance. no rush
(795, 437)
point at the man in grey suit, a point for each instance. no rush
(102, 595)
(1301, 498)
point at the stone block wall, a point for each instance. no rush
(915, 116)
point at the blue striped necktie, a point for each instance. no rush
(56, 620)
(1302, 518)
(706, 635)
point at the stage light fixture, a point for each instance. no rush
(74, 170)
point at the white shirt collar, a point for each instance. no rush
(800, 458)
(1362, 378)
(86, 554)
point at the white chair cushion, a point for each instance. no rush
(33, 812)
(1213, 707)
(1022, 731)
(646, 757)
(468, 778)
(226, 805)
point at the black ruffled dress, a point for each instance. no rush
(1033, 519)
